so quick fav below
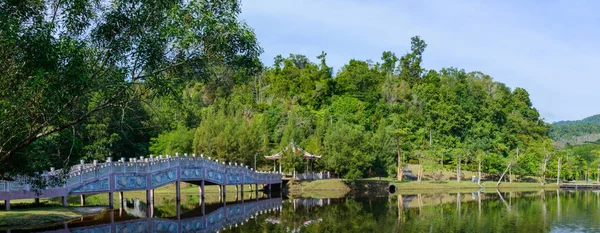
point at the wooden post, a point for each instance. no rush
(82, 200)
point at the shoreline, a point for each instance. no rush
(382, 186)
(42, 215)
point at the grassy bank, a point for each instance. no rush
(332, 188)
(25, 213)
(465, 184)
(43, 215)
(339, 186)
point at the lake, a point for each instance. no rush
(484, 211)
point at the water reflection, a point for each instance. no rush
(481, 211)
(138, 216)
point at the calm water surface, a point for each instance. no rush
(484, 211)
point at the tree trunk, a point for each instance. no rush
(544, 169)
(458, 170)
(419, 173)
(502, 176)
(558, 175)
(510, 174)
(400, 173)
(479, 173)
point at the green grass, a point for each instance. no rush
(324, 185)
(454, 185)
(37, 216)
(332, 188)
(446, 175)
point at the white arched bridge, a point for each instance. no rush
(139, 174)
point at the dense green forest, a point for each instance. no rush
(576, 132)
(82, 81)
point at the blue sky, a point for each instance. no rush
(550, 48)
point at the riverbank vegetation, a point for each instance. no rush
(84, 82)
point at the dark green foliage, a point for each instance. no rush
(86, 68)
(364, 116)
(167, 76)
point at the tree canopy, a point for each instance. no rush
(67, 66)
(96, 79)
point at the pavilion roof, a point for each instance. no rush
(295, 149)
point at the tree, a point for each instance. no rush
(64, 61)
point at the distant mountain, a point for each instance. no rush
(576, 132)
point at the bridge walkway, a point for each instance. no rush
(143, 174)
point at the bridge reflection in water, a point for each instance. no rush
(205, 218)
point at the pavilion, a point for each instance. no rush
(295, 149)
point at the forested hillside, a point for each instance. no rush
(194, 84)
(359, 118)
(576, 132)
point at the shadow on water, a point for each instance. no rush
(482, 211)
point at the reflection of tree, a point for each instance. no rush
(529, 212)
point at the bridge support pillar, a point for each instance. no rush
(121, 197)
(82, 200)
(178, 210)
(111, 199)
(202, 189)
(148, 196)
(64, 201)
(7, 204)
(178, 190)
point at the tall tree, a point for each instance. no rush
(64, 61)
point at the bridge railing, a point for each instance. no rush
(83, 173)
